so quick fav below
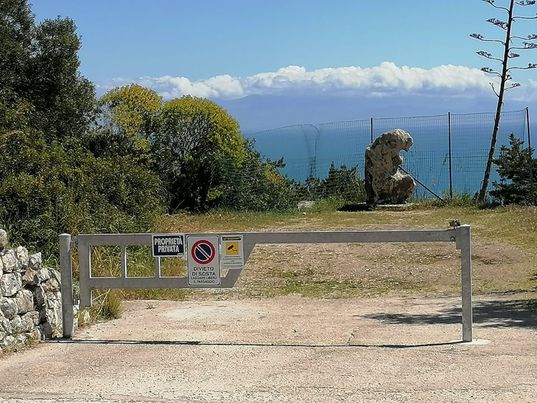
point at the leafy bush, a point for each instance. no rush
(518, 171)
(341, 183)
(255, 185)
(47, 189)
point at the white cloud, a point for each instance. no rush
(526, 93)
(385, 79)
(223, 86)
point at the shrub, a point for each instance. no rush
(518, 171)
(255, 185)
(47, 189)
(341, 183)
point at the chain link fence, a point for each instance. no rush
(448, 156)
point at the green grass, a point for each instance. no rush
(515, 226)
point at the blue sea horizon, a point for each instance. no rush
(310, 150)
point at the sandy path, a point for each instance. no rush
(288, 349)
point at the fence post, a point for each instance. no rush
(529, 145)
(67, 285)
(528, 123)
(449, 157)
(315, 149)
(371, 130)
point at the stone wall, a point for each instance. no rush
(30, 298)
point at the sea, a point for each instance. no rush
(448, 156)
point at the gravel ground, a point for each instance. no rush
(288, 349)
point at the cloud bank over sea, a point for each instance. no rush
(294, 94)
(384, 79)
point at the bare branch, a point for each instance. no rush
(527, 46)
(491, 2)
(514, 85)
(528, 67)
(525, 18)
(494, 89)
(488, 70)
(529, 37)
(482, 38)
(498, 23)
(487, 55)
(513, 55)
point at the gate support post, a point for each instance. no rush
(67, 285)
(464, 243)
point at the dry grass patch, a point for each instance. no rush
(504, 254)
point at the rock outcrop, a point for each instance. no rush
(385, 183)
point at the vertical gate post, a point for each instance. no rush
(67, 285)
(464, 243)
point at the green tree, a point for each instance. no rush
(127, 117)
(39, 72)
(64, 101)
(195, 144)
(131, 110)
(517, 169)
(16, 35)
(54, 175)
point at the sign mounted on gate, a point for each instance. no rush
(168, 245)
(232, 251)
(203, 260)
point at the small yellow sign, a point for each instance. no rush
(232, 248)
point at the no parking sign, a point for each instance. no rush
(203, 260)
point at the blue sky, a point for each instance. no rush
(235, 49)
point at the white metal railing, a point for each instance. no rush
(460, 235)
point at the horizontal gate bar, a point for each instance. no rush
(350, 236)
(448, 235)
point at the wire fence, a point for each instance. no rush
(448, 156)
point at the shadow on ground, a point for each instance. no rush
(250, 344)
(516, 313)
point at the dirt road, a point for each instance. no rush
(288, 349)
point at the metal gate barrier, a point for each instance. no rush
(459, 235)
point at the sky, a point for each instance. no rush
(280, 62)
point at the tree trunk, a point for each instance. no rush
(486, 177)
